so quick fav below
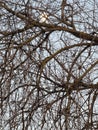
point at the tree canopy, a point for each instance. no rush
(48, 64)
